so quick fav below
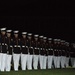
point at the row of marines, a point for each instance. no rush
(38, 52)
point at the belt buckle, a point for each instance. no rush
(23, 46)
(31, 47)
(10, 46)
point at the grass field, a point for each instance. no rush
(42, 72)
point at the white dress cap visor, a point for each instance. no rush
(44, 38)
(36, 35)
(3, 29)
(24, 33)
(16, 32)
(40, 36)
(8, 31)
(49, 38)
(55, 39)
(29, 34)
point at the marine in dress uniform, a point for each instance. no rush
(63, 54)
(3, 49)
(41, 56)
(50, 53)
(16, 50)
(24, 51)
(59, 53)
(72, 54)
(67, 46)
(30, 51)
(9, 42)
(55, 53)
(36, 52)
(0, 51)
(45, 47)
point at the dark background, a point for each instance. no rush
(54, 19)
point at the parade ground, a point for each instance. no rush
(69, 71)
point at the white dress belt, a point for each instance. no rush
(4, 44)
(35, 48)
(31, 47)
(50, 49)
(41, 48)
(11, 46)
(17, 46)
(25, 46)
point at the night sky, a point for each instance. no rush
(51, 19)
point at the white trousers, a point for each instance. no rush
(8, 62)
(44, 62)
(58, 61)
(29, 62)
(73, 62)
(55, 61)
(16, 58)
(41, 61)
(67, 62)
(63, 61)
(0, 60)
(3, 61)
(50, 59)
(24, 58)
(35, 61)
